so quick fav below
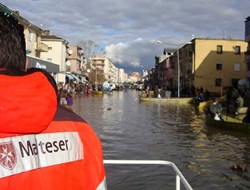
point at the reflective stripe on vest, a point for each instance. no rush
(102, 185)
(25, 153)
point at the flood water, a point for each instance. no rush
(134, 130)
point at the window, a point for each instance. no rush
(237, 49)
(78, 65)
(35, 37)
(30, 36)
(237, 67)
(218, 82)
(218, 66)
(219, 48)
(49, 48)
(248, 66)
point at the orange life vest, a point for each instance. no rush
(42, 146)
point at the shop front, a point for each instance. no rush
(34, 62)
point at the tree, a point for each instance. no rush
(96, 76)
(91, 49)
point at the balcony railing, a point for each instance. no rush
(41, 47)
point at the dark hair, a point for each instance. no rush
(12, 43)
(215, 99)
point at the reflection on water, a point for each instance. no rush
(130, 129)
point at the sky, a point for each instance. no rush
(126, 30)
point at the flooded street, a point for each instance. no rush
(135, 130)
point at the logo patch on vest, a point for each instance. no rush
(25, 153)
(7, 155)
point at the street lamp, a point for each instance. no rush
(178, 62)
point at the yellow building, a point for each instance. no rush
(215, 64)
(32, 33)
(34, 46)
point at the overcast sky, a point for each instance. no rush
(126, 29)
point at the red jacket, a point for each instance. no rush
(42, 146)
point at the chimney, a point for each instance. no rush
(46, 32)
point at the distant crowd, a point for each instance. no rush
(173, 92)
(66, 91)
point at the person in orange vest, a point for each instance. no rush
(43, 146)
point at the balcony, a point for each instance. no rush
(41, 47)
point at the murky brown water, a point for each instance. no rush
(150, 131)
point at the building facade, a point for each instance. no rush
(247, 39)
(122, 76)
(214, 64)
(75, 59)
(104, 70)
(211, 64)
(135, 77)
(57, 50)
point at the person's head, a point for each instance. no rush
(215, 100)
(12, 43)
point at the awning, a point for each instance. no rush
(243, 82)
(70, 77)
(73, 77)
(83, 79)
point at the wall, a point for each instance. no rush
(205, 60)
